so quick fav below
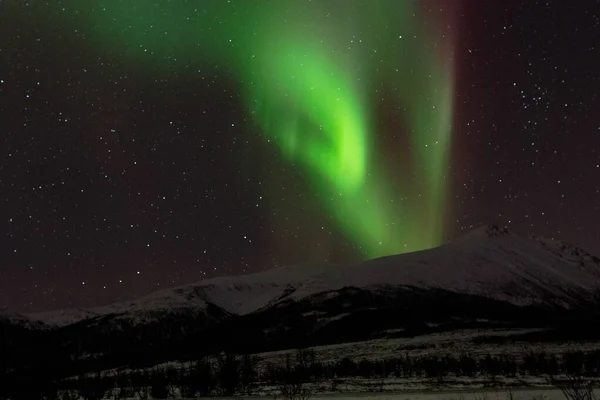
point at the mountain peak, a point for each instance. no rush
(493, 230)
(486, 232)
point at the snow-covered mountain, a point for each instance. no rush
(490, 262)
(487, 279)
(23, 321)
(239, 295)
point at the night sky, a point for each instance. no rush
(148, 144)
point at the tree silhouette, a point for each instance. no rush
(228, 373)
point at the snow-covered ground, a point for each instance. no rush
(439, 344)
(494, 394)
(549, 393)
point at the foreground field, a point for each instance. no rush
(491, 394)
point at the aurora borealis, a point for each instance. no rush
(151, 143)
(315, 98)
(308, 100)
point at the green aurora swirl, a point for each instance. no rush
(311, 75)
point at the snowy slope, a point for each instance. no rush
(489, 262)
(22, 321)
(241, 294)
(63, 317)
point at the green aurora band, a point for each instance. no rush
(311, 75)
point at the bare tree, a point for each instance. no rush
(294, 386)
(69, 395)
(93, 388)
(228, 373)
(248, 374)
(142, 392)
(575, 387)
(294, 391)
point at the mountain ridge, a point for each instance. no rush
(487, 279)
(489, 261)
